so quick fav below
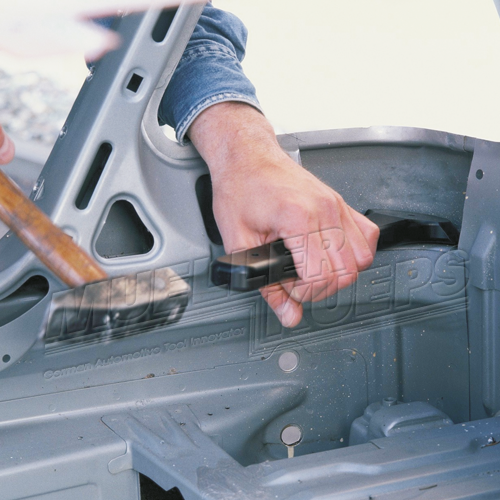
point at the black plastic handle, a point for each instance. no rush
(271, 263)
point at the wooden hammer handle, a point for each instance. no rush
(50, 244)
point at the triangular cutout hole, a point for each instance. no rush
(123, 233)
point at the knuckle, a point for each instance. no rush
(365, 260)
(333, 205)
(373, 231)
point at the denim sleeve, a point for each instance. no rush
(209, 72)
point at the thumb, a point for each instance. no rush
(6, 148)
(288, 310)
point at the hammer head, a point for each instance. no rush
(116, 307)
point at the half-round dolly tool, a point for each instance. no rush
(272, 263)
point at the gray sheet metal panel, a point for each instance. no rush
(410, 136)
(105, 111)
(390, 417)
(397, 333)
(400, 332)
(479, 240)
(64, 458)
(424, 177)
(449, 459)
(75, 455)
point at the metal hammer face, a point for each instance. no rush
(116, 307)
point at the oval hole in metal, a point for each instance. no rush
(93, 175)
(163, 24)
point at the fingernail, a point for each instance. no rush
(286, 314)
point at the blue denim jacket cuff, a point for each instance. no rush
(183, 127)
(206, 75)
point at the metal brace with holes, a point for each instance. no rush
(387, 390)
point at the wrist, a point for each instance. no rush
(232, 137)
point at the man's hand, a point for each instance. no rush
(6, 148)
(261, 195)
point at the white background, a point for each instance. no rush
(348, 63)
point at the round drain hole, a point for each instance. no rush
(291, 435)
(479, 174)
(288, 361)
(6, 358)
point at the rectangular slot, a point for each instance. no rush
(134, 83)
(93, 176)
(163, 24)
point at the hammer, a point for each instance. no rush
(96, 305)
(51, 245)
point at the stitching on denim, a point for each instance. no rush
(212, 49)
(207, 102)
